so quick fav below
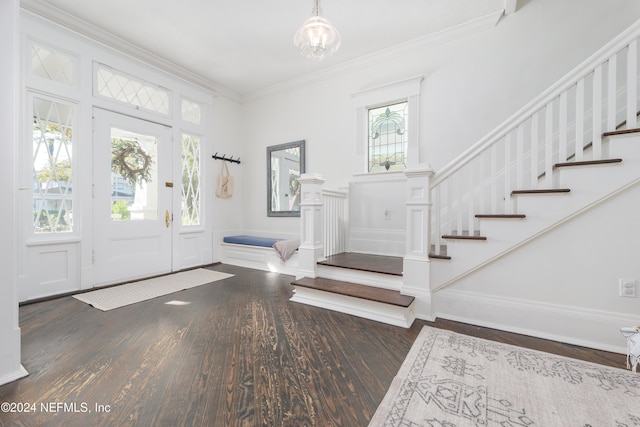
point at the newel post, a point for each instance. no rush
(311, 222)
(416, 264)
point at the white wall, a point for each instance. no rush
(10, 368)
(471, 85)
(226, 214)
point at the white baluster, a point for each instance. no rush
(449, 222)
(548, 145)
(632, 84)
(562, 125)
(612, 93)
(597, 113)
(494, 177)
(520, 156)
(459, 191)
(481, 183)
(507, 173)
(471, 199)
(579, 143)
(534, 151)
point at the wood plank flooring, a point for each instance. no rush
(238, 354)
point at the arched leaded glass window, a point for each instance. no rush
(388, 137)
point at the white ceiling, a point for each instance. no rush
(243, 46)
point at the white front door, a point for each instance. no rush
(132, 198)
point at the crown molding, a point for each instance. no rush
(99, 35)
(437, 38)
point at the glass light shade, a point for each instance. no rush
(317, 38)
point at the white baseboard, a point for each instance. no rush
(572, 325)
(12, 376)
(384, 313)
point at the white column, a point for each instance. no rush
(311, 224)
(10, 368)
(416, 265)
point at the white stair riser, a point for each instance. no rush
(385, 313)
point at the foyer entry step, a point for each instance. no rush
(371, 293)
(370, 302)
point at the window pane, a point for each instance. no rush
(52, 166)
(190, 180)
(51, 65)
(190, 111)
(116, 85)
(388, 137)
(134, 173)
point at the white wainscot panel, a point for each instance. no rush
(54, 270)
(191, 250)
(127, 248)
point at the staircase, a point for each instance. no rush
(340, 287)
(579, 186)
(570, 149)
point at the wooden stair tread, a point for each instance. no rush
(355, 290)
(501, 216)
(439, 256)
(464, 236)
(543, 191)
(364, 262)
(621, 132)
(587, 163)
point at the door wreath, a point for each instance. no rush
(130, 161)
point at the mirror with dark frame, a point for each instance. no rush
(285, 164)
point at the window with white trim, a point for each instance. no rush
(52, 165)
(387, 127)
(388, 137)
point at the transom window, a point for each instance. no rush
(121, 87)
(191, 111)
(388, 137)
(52, 65)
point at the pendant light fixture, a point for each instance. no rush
(316, 38)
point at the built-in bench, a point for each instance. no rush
(263, 253)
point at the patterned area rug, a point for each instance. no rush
(449, 379)
(131, 293)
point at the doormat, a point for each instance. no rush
(449, 379)
(131, 293)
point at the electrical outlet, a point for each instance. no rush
(627, 288)
(387, 214)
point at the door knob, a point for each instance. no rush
(167, 218)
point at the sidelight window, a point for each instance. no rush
(190, 180)
(52, 139)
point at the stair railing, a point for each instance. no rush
(564, 123)
(336, 221)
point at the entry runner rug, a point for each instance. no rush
(131, 293)
(453, 380)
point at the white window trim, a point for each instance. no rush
(408, 90)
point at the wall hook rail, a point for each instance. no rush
(226, 159)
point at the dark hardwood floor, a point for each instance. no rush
(238, 354)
